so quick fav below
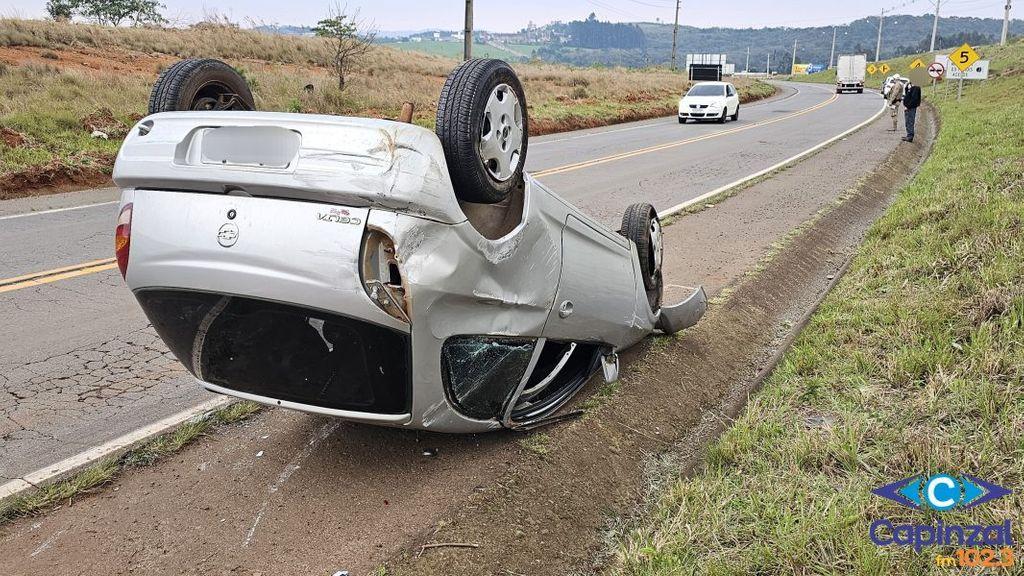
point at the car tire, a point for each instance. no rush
(641, 225)
(483, 127)
(200, 84)
(724, 117)
(682, 120)
(736, 116)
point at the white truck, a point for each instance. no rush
(850, 72)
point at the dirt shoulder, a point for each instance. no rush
(290, 493)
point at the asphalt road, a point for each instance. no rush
(79, 365)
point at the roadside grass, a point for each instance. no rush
(57, 75)
(912, 365)
(147, 454)
(537, 442)
(454, 49)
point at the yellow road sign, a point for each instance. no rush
(963, 57)
(917, 64)
(884, 69)
(872, 69)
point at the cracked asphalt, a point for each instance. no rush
(80, 364)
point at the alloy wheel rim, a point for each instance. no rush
(501, 133)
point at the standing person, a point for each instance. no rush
(911, 100)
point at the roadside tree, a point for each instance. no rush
(348, 38)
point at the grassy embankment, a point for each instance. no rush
(912, 365)
(57, 81)
(454, 50)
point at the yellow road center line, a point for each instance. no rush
(57, 274)
(676, 144)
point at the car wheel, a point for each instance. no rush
(723, 117)
(682, 120)
(736, 116)
(641, 225)
(482, 124)
(200, 84)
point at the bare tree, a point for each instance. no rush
(349, 39)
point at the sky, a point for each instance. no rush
(509, 16)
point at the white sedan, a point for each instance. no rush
(710, 101)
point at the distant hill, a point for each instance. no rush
(902, 34)
(589, 42)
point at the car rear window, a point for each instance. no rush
(707, 90)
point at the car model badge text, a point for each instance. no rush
(338, 216)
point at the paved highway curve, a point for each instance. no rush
(79, 365)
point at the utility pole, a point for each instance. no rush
(878, 47)
(768, 66)
(792, 69)
(747, 69)
(675, 32)
(832, 55)
(935, 25)
(467, 42)
(1006, 24)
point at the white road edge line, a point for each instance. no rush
(55, 210)
(680, 207)
(95, 453)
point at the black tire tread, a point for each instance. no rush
(455, 129)
(635, 226)
(167, 91)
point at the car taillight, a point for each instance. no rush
(123, 238)
(382, 276)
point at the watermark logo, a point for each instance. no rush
(941, 492)
(977, 545)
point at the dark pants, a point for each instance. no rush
(910, 116)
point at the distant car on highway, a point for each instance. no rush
(716, 101)
(375, 270)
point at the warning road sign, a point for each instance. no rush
(884, 69)
(963, 57)
(917, 64)
(936, 70)
(872, 69)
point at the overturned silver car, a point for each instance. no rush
(374, 270)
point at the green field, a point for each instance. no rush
(454, 49)
(914, 363)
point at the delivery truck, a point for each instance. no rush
(850, 72)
